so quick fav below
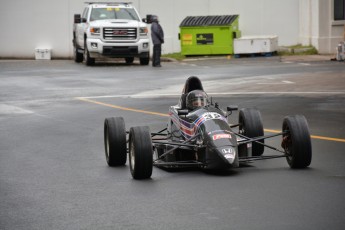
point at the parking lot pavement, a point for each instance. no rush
(53, 173)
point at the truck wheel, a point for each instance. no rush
(140, 152)
(251, 126)
(88, 60)
(296, 142)
(144, 61)
(78, 57)
(115, 141)
(129, 60)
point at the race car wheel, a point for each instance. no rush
(115, 141)
(296, 142)
(140, 152)
(251, 126)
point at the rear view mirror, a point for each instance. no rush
(148, 18)
(232, 108)
(182, 112)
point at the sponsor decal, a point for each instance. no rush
(229, 154)
(221, 136)
(227, 150)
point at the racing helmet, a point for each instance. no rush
(196, 99)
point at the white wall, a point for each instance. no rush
(27, 24)
(317, 26)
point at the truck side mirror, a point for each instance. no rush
(83, 20)
(77, 18)
(148, 18)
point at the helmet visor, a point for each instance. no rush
(198, 102)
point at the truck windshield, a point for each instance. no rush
(113, 13)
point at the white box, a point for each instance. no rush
(42, 54)
(256, 44)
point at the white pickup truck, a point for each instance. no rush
(110, 30)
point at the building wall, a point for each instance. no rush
(317, 26)
(27, 25)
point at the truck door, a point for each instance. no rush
(81, 28)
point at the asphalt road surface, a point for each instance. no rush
(53, 173)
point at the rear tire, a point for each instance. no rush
(297, 142)
(115, 141)
(251, 126)
(140, 152)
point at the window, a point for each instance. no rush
(86, 10)
(339, 10)
(113, 13)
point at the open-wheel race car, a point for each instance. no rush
(198, 135)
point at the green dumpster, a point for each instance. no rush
(207, 35)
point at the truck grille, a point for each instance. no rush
(120, 33)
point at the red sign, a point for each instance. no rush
(221, 136)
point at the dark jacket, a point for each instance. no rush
(157, 33)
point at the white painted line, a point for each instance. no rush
(56, 89)
(275, 83)
(10, 109)
(304, 63)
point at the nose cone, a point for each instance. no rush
(229, 155)
(227, 152)
(223, 157)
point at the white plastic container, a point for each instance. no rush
(256, 44)
(42, 54)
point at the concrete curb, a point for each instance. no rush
(287, 58)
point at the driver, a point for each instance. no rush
(196, 99)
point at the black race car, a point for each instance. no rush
(198, 135)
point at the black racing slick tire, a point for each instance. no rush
(115, 141)
(250, 125)
(297, 141)
(140, 152)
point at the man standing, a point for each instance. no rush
(157, 35)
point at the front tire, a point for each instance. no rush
(88, 60)
(115, 141)
(78, 57)
(251, 126)
(297, 141)
(140, 152)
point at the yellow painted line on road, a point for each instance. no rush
(122, 108)
(312, 136)
(166, 115)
